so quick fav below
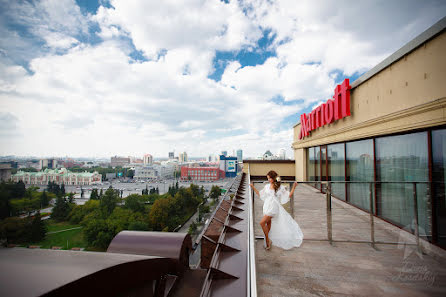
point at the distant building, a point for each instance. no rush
(239, 155)
(267, 155)
(171, 155)
(148, 159)
(183, 157)
(119, 161)
(166, 171)
(47, 163)
(59, 176)
(201, 173)
(229, 165)
(5, 172)
(281, 154)
(110, 175)
(155, 171)
(143, 173)
(224, 153)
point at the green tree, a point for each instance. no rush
(97, 233)
(138, 226)
(62, 189)
(18, 190)
(79, 212)
(94, 194)
(61, 210)
(195, 190)
(9, 191)
(215, 192)
(108, 201)
(135, 203)
(44, 200)
(25, 205)
(202, 210)
(130, 173)
(192, 228)
(70, 197)
(38, 229)
(159, 213)
(17, 230)
(13, 229)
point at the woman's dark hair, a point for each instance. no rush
(276, 183)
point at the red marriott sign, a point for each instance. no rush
(328, 112)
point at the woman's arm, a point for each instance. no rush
(292, 190)
(255, 190)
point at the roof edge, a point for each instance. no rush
(409, 47)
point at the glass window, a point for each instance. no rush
(317, 154)
(360, 168)
(403, 158)
(336, 169)
(323, 167)
(311, 165)
(439, 179)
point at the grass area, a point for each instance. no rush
(57, 226)
(75, 238)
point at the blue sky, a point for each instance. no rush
(102, 78)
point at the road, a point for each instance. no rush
(185, 227)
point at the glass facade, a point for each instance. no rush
(360, 164)
(439, 180)
(317, 153)
(311, 165)
(336, 168)
(404, 159)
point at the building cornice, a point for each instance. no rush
(363, 129)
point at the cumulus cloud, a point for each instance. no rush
(143, 86)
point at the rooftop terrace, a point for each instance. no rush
(350, 266)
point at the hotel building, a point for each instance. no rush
(387, 126)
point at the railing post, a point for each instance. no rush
(415, 207)
(372, 222)
(292, 201)
(329, 221)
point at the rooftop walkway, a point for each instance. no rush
(348, 267)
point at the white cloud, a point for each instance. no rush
(97, 100)
(61, 41)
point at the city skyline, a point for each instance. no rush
(234, 154)
(104, 78)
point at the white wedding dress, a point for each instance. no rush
(285, 232)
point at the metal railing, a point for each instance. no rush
(252, 272)
(220, 200)
(328, 192)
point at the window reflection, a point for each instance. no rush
(403, 158)
(360, 169)
(336, 169)
(439, 179)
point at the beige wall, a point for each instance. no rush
(283, 169)
(300, 157)
(409, 94)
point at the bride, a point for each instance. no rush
(279, 227)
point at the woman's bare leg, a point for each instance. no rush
(264, 223)
(269, 225)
